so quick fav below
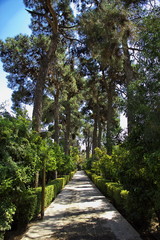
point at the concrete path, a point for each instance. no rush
(81, 212)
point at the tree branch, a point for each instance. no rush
(54, 16)
(35, 13)
(71, 39)
(52, 22)
(135, 49)
(42, 15)
(68, 27)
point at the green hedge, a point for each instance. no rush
(113, 190)
(123, 200)
(29, 204)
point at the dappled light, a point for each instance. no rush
(77, 214)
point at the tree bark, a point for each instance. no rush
(38, 96)
(94, 141)
(56, 118)
(129, 78)
(88, 144)
(87, 147)
(38, 99)
(56, 124)
(37, 108)
(67, 131)
(109, 118)
(43, 71)
(99, 133)
(110, 91)
(43, 188)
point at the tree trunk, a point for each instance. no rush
(38, 96)
(43, 71)
(99, 133)
(43, 188)
(87, 147)
(99, 126)
(109, 118)
(94, 141)
(56, 124)
(129, 78)
(56, 118)
(37, 109)
(67, 131)
(110, 91)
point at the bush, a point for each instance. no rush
(22, 152)
(7, 210)
(29, 203)
(26, 208)
(138, 173)
(106, 165)
(124, 200)
(89, 174)
(112, 190)
(100, 183)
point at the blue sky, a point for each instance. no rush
(14, 19)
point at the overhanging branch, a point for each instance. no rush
(71, 39)
(68, 27)
(42, 15)
(35, 13)
(135, 49)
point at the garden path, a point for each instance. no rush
(81, 212)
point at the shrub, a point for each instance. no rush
(22, 152)
(112, 190)
(125, 196)
(49, 194)
(106, 165)
(7, 210)
(88, 173)
(29, 202)
(124, 200)
(26, 208)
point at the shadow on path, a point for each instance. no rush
(81, 212)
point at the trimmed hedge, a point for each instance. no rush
(113, 190)
(124, 201)
(29, 204)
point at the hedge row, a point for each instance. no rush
(113, 190)
(29, 206)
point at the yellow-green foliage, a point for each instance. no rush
(104, 164)
(112, 190)
(30, 202)
(124, 196)
(88, 173)
(99, 182)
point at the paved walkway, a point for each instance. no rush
(81, 212)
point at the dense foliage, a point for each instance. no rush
(22, 152)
